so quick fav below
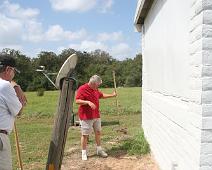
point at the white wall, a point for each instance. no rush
(172, 83)
(166, 46)
(205, 11)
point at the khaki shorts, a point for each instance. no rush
(88, 125)
(5, 153)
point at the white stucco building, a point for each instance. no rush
(177, 81)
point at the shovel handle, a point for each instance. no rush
(114, 82)
(18, 147)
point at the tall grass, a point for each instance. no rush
(136, 145)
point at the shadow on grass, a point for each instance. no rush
(117, 152)
(110, 123)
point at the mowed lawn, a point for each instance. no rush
(35, 124)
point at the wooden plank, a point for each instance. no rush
(61, 125)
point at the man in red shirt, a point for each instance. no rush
(87, 98)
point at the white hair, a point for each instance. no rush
(95, 79)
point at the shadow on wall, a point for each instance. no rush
(157, 5)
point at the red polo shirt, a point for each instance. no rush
(85, 92)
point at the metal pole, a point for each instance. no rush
(44, 72)
(49, 79)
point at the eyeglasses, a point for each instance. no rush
(98, 84)
(14, 70)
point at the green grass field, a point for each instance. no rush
(129, 101)
(35, 126)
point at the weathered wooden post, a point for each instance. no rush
(66, 83)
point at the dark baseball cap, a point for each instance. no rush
(7, 60)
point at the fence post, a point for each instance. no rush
(61, 125)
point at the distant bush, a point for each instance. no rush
(40, 92)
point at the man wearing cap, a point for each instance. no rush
(87, 98)
(12, 100)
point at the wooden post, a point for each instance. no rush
(114, 82)
(61, 125)
(18, 147)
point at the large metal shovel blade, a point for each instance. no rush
(66, 70)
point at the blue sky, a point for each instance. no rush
(32, 26)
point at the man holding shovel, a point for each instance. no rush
(87, 98)
(12, 100)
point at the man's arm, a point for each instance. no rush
(11, 99)
(20, 94)
(109, 95)
(85, 102)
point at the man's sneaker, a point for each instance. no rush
(102, 153)
(84, 157)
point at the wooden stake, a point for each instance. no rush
(61, 125)
(114, 82)
(18, 147)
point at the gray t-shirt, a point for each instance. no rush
(10, 105)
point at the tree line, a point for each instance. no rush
(128, 72)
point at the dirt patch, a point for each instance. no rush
(120, 161)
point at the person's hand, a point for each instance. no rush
(20, 94)
(93, 106)
(114, 94)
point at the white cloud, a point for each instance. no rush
(32, 52)
(60, 49)
(105, 5)
(114, 36)
(15, 11)
(34, 32)
(82, 33)
(56, 33)
(10, 30)
(12, 46)
(74, 46)
(18, 24)
(89, 46)
(92, 45)
(121, 51)
(73, 5)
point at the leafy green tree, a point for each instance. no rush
(50, 61)
(24, 65)
(134, 77)
(128, 71)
